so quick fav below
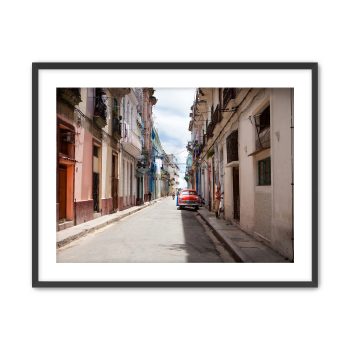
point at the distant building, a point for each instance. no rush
(149, 101)
(131, 148)
(173, 170)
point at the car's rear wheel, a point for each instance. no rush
(196, 208)
(180, 207)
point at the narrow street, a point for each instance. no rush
(159, 233)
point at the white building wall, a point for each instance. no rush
(265, 211)
(228, 193)
(125, 181)
(263, 202)
(281, 164)
(247, 170)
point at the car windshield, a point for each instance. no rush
(186, 193)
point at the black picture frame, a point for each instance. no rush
(37, 67)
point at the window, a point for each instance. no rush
(232, 147)
(191, 193)
(115, 107)
(264, 172)
(264, 119)
(262, 123)
(95, 151)
(228, 95)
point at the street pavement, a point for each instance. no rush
(158, 233)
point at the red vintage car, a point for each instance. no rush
(188, 198)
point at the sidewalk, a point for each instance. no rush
(243, 247)
(68, 235)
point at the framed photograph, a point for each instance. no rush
(175, 175)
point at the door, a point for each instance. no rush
(95, 189)
(236, 209)
(212, 196)
(114, 183)
(115, 193)
(62, 192)
(138, 190)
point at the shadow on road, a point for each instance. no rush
(199, 247)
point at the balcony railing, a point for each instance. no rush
(116, 128)
(262, 140)
(217, 115)
(100, 111)
(210, 130)
(228, 95)
(216, 118)
(133, 138)
(139, 121)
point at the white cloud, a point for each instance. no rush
(175, 99)
(172, 114)
(172, 127)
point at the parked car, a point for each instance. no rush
(188, 198)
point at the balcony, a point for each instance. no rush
(100, 111)
(189, 146)
(217, 115)
(66, 144)
(116, 128)
(228, 95)
(262, 140)
(69, 96)
(134, 139)
(262, 126)
(165, 175)
(210, 130)
(119, 92)
(139, 122)
(216, 118)
(132, 142)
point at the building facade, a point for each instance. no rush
(131, 148)
(242, 141)
(173, 170)
(105, 152)
(88, 157)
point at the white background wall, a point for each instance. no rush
(174, 319)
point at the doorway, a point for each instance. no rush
(236, 206)
(115, 182)
(95, 189)
(65, 192)
(62, 192)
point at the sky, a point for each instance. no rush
(171, 119)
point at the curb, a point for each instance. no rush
(86, 231)
(235, 252)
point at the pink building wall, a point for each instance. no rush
(83, 176)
